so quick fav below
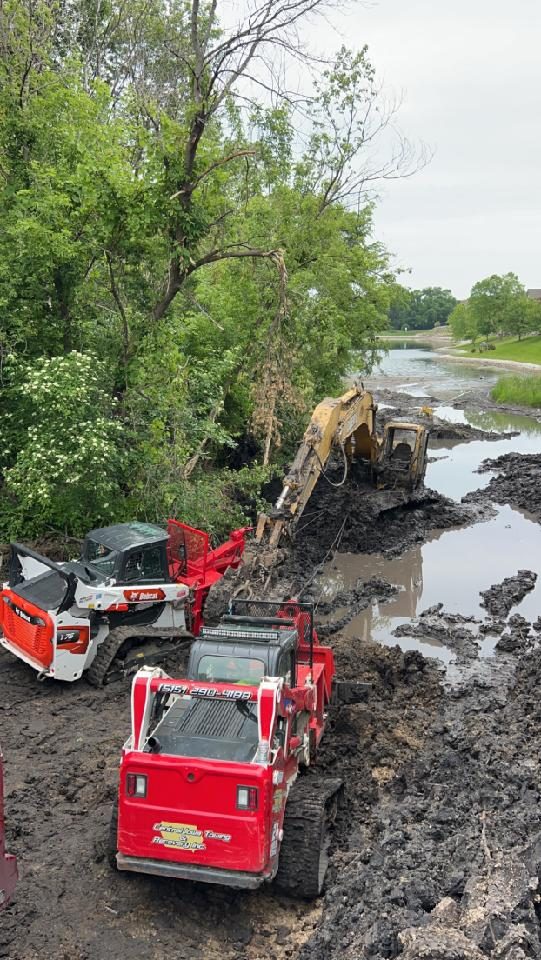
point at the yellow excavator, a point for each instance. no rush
(347, 426)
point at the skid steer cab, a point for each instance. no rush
(209, 784)
(135, 591)
(8, 863)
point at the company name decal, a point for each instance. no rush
(138, 596)
(180, 836)
(185, 836)
(209, 692)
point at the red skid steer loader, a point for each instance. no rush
(210, 787)
(134, 583)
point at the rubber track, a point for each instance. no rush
(304, 832)
(108, 650)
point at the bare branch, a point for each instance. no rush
(189, 188)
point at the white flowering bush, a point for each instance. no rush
(61, 445)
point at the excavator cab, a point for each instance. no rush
(402, 459)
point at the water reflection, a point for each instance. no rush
(452, 567)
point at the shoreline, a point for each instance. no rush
(488, 361)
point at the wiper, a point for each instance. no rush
(90, 573)
(246, 710)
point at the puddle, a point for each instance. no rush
(454, 471)
(453, 565)
(451, 568)
(450, 414)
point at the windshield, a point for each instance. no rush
(100, 556)
(232, 669)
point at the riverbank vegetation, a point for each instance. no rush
(525, 391)
(526, 350)
(181, 275)
(498, 306)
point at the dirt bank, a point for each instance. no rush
(449, 862)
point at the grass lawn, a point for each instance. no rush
(524, 391)
(527, 350)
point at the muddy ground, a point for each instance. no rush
(437, 848)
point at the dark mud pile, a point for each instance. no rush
(500, 598)
(357, 519)
(349, 603)
(518, 482)
(446, 866)
(402, 408)
(452, 630)
(437, 849)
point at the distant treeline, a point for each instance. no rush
(420, 309)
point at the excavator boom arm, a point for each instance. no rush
(347, 422)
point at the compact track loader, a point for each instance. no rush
(8, 863)
(211, 784)
(346, 426)
(134, 583)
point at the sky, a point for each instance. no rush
(470, 75)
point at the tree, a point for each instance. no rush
(421, 309)
(157, 217)
(462, 323)
(499, 305)
(62, 445)
(399, 309)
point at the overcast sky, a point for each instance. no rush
(470, 71)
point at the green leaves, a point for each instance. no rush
(63, 444)
(129, 173)
(497, 305)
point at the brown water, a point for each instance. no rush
(451, 568)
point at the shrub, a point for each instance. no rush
(62, 448)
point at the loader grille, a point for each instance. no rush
(206, 728)
(188, 548)
(205, 718)
(28, 628)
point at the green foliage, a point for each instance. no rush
(61, 445)
(462, 323)
(497, 306)
(525, 391)
(144, 221)
(420, 309)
